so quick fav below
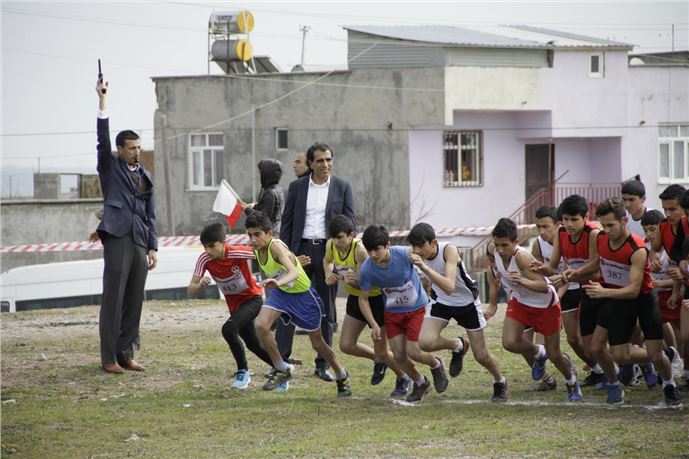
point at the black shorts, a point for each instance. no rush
(377, 308)
(619, 317)
(470, 316)
(570, 300)
(589, 310)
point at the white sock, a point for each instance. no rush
(438, 364)
(540, 353)
(669, 382)
(421, 380)
(341, 374)
(459, 348)
(282, 366)
(572, 380)
(597, 369)
(502, 381)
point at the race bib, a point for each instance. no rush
(574, 263)
(615, 273)
(234, 284)
(278, 274)
(341, 270)
(401, 297)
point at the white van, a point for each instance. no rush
(76, 283)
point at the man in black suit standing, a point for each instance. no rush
(312, 201)
(130, 244)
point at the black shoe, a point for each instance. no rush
(344, 387)
(378, 375)
(592, 379)
(671, 395)
(402, 386)
(419, 391)
(626, 374)
(546, 384)
(457, 361)
(324, 374)
(440, 380)
(500, 392)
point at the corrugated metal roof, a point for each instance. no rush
(514, 36)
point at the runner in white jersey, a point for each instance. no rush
(634, 198)
(534, 303)
(454, 295)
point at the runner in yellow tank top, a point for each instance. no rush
(291, 298)
(344, 255)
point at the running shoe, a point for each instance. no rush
(638, 376)
(241, 379)
(615, 394)
(592, 379)
(672, 395)
(500, 392)
(440, 380)
(402, 386)
(278, 378)
(283, 387)
(419, 391)
(457, 361)
(538, 369)
(344, 386)
(650, 375)
(546, 384)
(269, 373)
(672, 354)
(573, 392)
(379, 369)
(626, 374)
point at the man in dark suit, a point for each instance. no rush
(130, 244)
(312, 201)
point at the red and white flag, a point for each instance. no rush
(227, 203)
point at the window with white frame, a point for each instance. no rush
(281, 138)
(206, 162)
(462, 159)
(596, 65)
(673, 153)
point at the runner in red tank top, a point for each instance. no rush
(229, 268)
(625, 294)
(573, 243)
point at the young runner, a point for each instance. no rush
(573, 242)
(634, 198)
(534, 303)
(228, 267)
(290, 298)
(391, 269)
(454, 296)
(661, 280)
(344, 255)
(672, 236)
(624, 295)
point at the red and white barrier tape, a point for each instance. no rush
(191, 241)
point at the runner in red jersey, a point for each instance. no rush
(624, 293)
(675, 202)
(229, 267)
(573, 243)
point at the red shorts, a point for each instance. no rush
(404, 323)
(667, 314)
(545, 321)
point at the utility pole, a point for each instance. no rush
(253, 153)
(673, 38)
(303, 29)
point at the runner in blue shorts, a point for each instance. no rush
(290, 298)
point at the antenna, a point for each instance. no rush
(303, 29)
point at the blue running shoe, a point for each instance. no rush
(650, 375)
(538, 369)
(241, 379)
(282, 387)
(615, 394)
(626, 374)
(573, 392)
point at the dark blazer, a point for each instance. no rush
(125, 206)
(340, 202)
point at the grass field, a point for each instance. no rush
(56, 402)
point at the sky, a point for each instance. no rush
(50, 51)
